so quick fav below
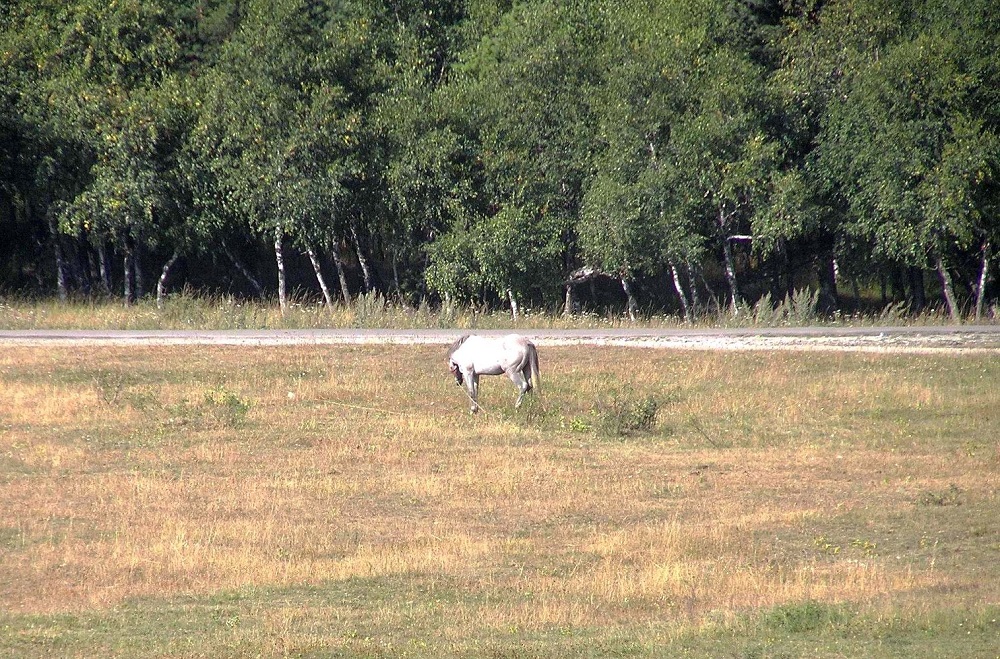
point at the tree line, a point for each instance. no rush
(693, 153)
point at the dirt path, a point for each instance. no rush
(967, 338)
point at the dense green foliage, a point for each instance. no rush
(692, 153)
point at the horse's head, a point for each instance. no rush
(456, 371)
(452, 365)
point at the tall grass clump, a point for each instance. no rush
(189, 309)
(796, 309)
(624, 412)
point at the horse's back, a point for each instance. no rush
(492, 355)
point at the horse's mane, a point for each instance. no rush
(456, 344)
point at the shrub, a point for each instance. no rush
(624, 413)
(800, 617)
(226, 407)
(950, 497)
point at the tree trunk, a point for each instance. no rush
(319, 276)
(105, 267)
(947, 288)
(128, 266)
(242, 269)
(693, 282)
(570, 301)
(395, 276)
(827, 276)
(362, 260)
(679, 287)
(80, 263)
(919, 295)
(137, 260)
(338, 262)
(94, 272)
(279, 258)
(514, 310)
(61, 266)
(630, 297)
(786, 283)
(161, 284)
(984, 275)
(730, 266)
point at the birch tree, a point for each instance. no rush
(913, 159)
(276, 126)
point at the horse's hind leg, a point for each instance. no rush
(523, 385)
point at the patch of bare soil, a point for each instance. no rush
(979, 339)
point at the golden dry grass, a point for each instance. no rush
(130, 475)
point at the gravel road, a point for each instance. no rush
(960, 338)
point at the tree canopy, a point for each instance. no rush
(504, 152)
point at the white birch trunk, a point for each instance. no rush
(161, 283)
(319, 276)
(105, 267)
(679, 287)
(630, 297)
(948, 288)
(61, 284)
(338, 263)
(730, 266)
(279, 258)
(514, 310)
(129, 272)
(692, 281)
(984, 272)
(242, 269)
(362, 260)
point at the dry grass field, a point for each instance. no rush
(310, 502)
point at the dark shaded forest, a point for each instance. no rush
(661, 156)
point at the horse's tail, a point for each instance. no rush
(533, 365)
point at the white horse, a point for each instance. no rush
(513, 355)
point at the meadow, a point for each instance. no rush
(341, 501)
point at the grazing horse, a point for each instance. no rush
(513, 355)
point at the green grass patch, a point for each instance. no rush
(396, 618)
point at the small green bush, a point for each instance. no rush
(226, 407)
(625, 413)
(949, 497)
(800, 617)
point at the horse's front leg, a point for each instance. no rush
(472, 386)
